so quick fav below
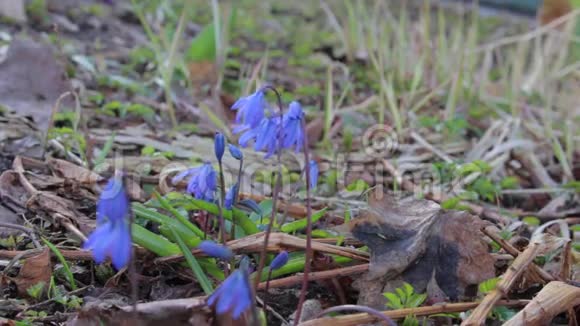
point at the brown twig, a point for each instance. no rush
(363, 318)
(315, 276)
(536, 271)
(371, 311)
(508, 279)
(67, 224)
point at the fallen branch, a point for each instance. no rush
(364, 318)
(315, 276)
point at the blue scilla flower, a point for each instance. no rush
(292, 124)
(236, 152)
(113, 203)
(265, 136)
(250, 109)
(219, 145)
(313, 166)
(230, 196)
(233, 295)
(112, 237)
(280, 260)
(202, 183)
(213, 249)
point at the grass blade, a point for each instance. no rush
(167, 206)
(60, 257)
(193, 264)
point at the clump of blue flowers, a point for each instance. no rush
(263, 129)
(267, 131)
(112, 237)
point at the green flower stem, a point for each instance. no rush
(141, 211)
(167, 206)
(240, 217)
(163, 248)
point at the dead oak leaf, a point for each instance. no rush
(34, 270)
(417, 242)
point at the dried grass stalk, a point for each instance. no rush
(555, 298)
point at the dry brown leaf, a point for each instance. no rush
(34, 270)
(411, 240)
(68, 170)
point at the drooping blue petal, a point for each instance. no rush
(97, 242)
(120, 250)
(244, 298)
(113, 202)
(215, 295)
(183, 174)
(267, 136)
(293, 131)
(211, 178)
(233, 295)
(239, 128)
(227, 302)
(203, 182)
(112, 237)
(250, 109)
(213, 249)
(230, 196)
(239, 105)
(247, 136)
